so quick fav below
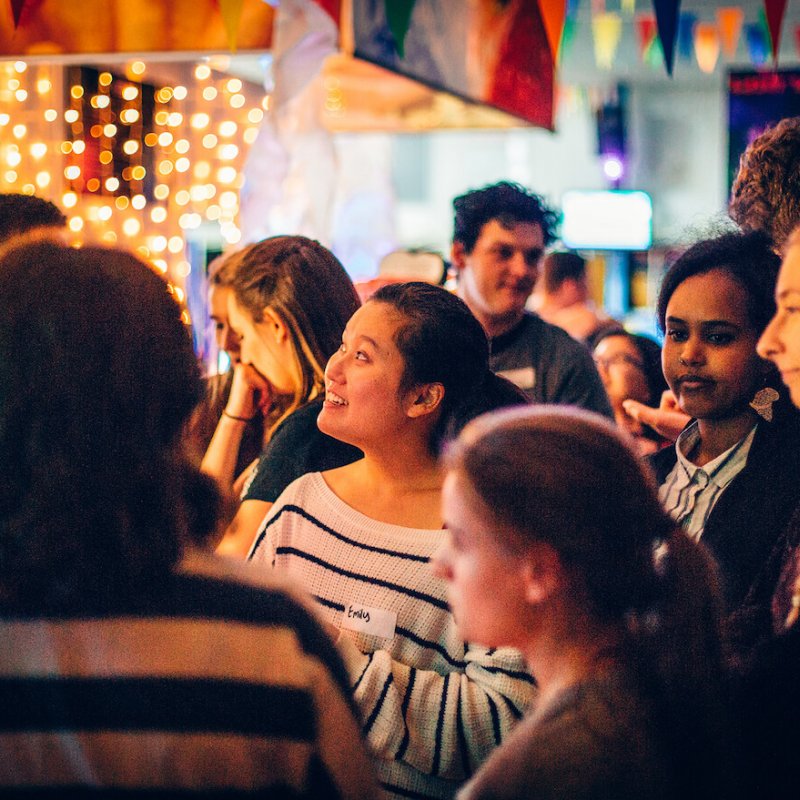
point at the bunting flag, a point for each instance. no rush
(607, 31)
(730, 20)
(16, 11)
(553, 13)
(572, 8)
(333, 8)
(598, 7)
(398, 17)
(757, 45)
(567, 38)
(667, 19)
(706, 46)
(231, 15)
(775, 10)
(645, 32)
(686, 25)
(628, 6)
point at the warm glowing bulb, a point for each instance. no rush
(255, 115)
(38, 149)
(209, 141)
(175, 244)
(78, 146)
(19, 131)
(161, 191)
(130, 147)
(105, 157)
(213, 212)
(138, 67)
(202, 71)
(165, 167)
(42, 179)
(182, 146)
(158, 244)
(209, 93)
(160, 264)
(66, 148)
(112, 184)
(131, 226)
(151, 139)
(11, 176)
(138, 201)
(228, 200)
(69, 199)
(110, 130)
(122, 203)
(75, 223)
(165, 139)
(158, 214)
(183, 164)
(51, 115)
(182, 197)
(20, 66)
(138, 172)
(250, 135)
(104, 213)
(199, 121)
(174, 119)
(202, 169)
(21, 95)
(227, 128)
(233, 85)
(227, 152)
(226, 174)
(179, 92)
(76, 92)
(130, 93)
(43, 86)
(4, 119)
(129, 116)
(183, 269)
(13, 158)
(71, 115)
(237, 101)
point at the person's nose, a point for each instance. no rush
(770, 344)
(440, 562)
(692, 352)
(333, 369)
(231, 343)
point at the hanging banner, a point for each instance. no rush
(730, 22)
(645, 32)
(667, 18)
(686, 23)
(757, 44)
(98, 26)
(493, 53)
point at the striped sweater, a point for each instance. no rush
(202, 688)
(432, 707)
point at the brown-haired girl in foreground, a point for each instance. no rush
(557, 546)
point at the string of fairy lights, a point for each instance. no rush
(132, 161)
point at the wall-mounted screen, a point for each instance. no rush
(606, 220)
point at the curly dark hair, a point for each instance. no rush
(747, 257)
(509, 203)
(97, 379)
(20, 213)
(766, 192)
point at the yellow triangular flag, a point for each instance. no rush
(706, 45)
(231, 15)
(606, 30)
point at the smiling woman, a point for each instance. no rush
(728, 478)
(412, 368)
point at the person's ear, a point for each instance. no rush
(275, 325)
(426, 399)
(542, 573)
(458, 255)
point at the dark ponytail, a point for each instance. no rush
(442, 342)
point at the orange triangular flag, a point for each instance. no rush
(553, 12)
(730, 21)
(774, 10)
(706, 45)
(231, 15)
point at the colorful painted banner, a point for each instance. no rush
(493, 53)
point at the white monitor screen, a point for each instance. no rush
(607, 220)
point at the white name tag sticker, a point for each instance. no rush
(367, 619)
(524, 377)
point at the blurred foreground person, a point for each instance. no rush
(132, 665)
(557, 545)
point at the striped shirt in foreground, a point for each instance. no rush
(432, 707)
(689, 492)
(204, 687)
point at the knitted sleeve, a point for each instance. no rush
(443, 725)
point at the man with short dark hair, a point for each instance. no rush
(499, 239)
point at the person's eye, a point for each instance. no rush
(676, 335)
(720, 338)
(361, 356)
(505, 253)
(791, 309)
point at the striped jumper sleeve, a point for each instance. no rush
(432, 707)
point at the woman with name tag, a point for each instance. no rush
(411, 370)
(731, 478)
(613, 607)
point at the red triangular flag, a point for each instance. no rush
(645, 31)
(16, 10)
(774, 10)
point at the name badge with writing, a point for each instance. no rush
(367, 619)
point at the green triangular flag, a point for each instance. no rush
(398, 15)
